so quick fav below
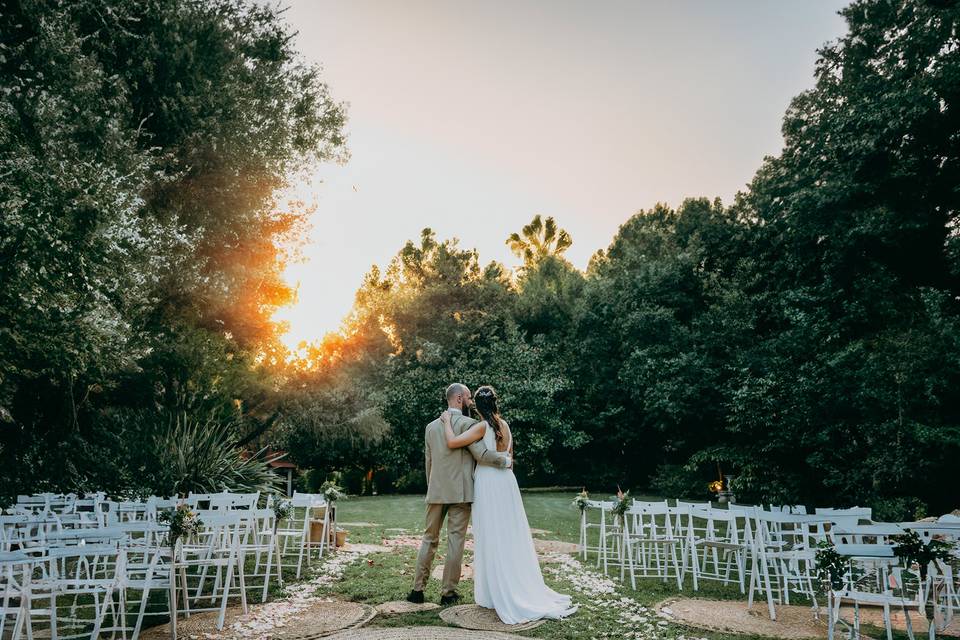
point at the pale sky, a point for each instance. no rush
(470, 117)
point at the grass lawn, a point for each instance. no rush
(388, 576)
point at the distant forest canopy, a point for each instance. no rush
(804, 339)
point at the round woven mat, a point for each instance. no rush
(395, 607)
(554, 546)
(472, 616)
(325, 618)
(420, 633)
(198, 625)
(793, 622)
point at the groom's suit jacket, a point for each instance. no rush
(450, 471)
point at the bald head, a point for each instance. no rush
(458, 396)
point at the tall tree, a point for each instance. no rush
(538, 240)
(141, 145)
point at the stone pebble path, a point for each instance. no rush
(594, 591)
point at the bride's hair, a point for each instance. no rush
(485, 399)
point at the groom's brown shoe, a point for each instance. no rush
(450, 599)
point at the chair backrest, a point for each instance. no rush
(795, 509)
(849, 517)
(940, 530)
(245, 500)
(72, 537)
(879, 533)
(650, 519)
(300, 500)
(201, 500)
(865, 550)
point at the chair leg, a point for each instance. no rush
(266, 575)
(221, 618)
(173, 602)
(243, 583)
(888, 625)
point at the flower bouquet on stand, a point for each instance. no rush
(621, 505)
(580, 502)
(332, 492)
(183, 523)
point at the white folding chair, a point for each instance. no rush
(867, 582)
(720, 535)
(216, 548)
(261, 541)
(294, 532)
(69, 578)
(586, 526)
(610, 535)
(651, 546)
(16, 570)
(784, 556)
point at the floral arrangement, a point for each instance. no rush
(622, 504)
(282, 509)
(716, 486)
(830, 565)
(332, 492)
(581, 500)
(182, 521)
(911, 549)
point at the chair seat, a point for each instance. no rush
(665, 541)
(867, 597)
(716, 544)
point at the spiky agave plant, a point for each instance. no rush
(199, 455)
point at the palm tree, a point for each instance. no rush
(539, 240)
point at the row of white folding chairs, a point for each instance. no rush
(79, 565)
(710, 543)
(227, 539)
(874, 577)
(295, 533)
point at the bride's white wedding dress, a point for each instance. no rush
(506, 572)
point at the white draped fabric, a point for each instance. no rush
(506, 571)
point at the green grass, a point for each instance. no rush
(389, 576)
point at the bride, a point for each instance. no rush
(506, 572)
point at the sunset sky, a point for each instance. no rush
(471, 117)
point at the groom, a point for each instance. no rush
(449, 494)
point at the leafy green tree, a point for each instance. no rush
(851, 258)
(538, 240)
(141, 145)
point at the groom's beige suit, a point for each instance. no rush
(449, 494)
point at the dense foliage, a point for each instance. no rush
(804, 339)
(141, 147)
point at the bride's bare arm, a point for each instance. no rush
(489, 457)
(468, 437)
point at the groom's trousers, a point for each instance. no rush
(458, 517)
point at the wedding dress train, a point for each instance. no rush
(506, 572)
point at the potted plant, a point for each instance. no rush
(912, 550)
